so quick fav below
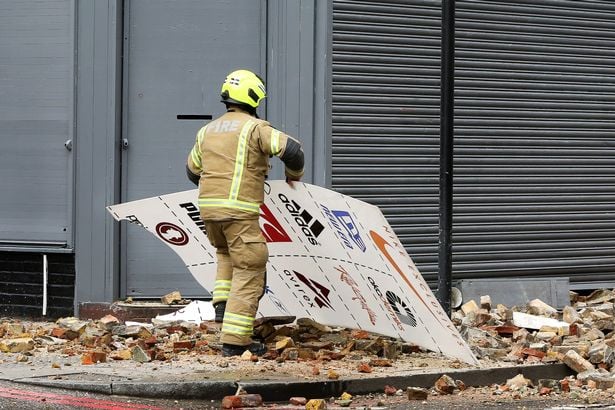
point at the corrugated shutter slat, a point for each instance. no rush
(534, 147)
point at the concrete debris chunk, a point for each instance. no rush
(417, 393)
(570, 315)
(518, 382)
(139, 355)
(14, 329)
(469, 306)
(577, 363)
(310, 323)
(536, 322)
(107, 322)
(485, 302)
(599, 296)
(50, 341)
(17, 345)
(316, 404)
(171, 297)
(538, 307)
(284, 342)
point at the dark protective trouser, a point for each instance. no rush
(240, 278)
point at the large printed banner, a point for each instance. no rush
(332, 258)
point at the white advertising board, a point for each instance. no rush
(332, 258)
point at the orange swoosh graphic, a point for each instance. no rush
(380, 243)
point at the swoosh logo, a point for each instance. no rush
(381, 244)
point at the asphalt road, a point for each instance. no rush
(17, 396)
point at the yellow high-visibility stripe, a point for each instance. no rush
(200, 135)
(222, 284)
(226, 203)
(239, 319)
(240, 159)
(237, 330)
(196, 158)
(222, 289)
(275, 142)
(196, 151)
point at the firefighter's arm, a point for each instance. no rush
(293, 159)
(288, 149)
(193, 164)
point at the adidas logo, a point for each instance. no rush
(310, 227)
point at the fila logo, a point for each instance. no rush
(320, 295)
(310, 227)
(271, 228)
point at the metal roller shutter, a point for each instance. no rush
(534, 141)
(36, 119)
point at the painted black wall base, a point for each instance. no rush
(21, 285)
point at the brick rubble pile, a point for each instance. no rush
(581, 336)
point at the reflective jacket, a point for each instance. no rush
(231, 156)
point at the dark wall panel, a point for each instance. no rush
(21, 284)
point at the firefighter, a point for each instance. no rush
(229, 163)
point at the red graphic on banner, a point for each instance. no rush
(272, 229)
(172, 233)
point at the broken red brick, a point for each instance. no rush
(243, 400)
(175, 329)
(533, 352)
(337, 356)
(86, 359)
(161, 355)
(380, 363)
(93, 357)
(360, 334)
(271, 355)
(545, 391)
(58, 332)
(364, 368)
(201, 344)
(390, 390)
(298, 401)
(150, 341)
(183, 345)
(445, 385)
(109, 321)
(315, 371)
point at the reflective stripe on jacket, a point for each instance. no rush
(231, 155)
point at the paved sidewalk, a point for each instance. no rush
(205, 382)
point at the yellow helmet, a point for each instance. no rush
(243, 87)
